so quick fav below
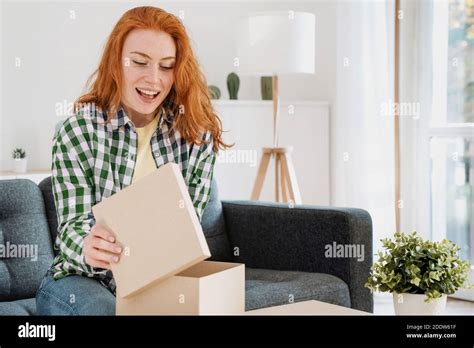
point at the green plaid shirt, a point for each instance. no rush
(93, 160)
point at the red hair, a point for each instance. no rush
(189, 91)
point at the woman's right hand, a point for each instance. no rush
(100, 247)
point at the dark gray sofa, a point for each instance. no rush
(282, 247)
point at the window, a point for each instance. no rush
(451, 129)
(452, 191)
(460, 75)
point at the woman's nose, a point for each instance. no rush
(153, 75)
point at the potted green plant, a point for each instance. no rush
(20, 160)
(420, 274)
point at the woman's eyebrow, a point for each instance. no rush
(141, 54)
(147, 56)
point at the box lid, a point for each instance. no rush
(155, 220)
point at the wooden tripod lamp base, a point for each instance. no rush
(285, 175)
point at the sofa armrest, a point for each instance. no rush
(305, 238)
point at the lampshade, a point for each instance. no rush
(275, 43)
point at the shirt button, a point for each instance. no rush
(125, 154)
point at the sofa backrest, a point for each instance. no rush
(212, 221)
(214, 227)
(25, 244)
(47, 192)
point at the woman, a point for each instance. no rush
(148, 105)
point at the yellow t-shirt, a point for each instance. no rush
(145, 163)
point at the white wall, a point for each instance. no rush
(58, 50)
(236, 169)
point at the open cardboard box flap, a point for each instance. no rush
(155, 221)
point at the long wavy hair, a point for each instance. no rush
(189, 92)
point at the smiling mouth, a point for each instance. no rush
(146, 93)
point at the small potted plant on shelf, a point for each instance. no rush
(20, 160)
(420, 274)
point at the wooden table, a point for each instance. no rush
(307, 308)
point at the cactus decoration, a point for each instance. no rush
(214, 92)
(266, 87)
(233, 83)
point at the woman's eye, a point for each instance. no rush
(138, 63)
(166, 67)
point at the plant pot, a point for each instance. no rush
(414, 304)
(19, 165)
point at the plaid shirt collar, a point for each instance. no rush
(121, 119)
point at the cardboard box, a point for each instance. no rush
(203, 289)
(155, 221)
(162, 268)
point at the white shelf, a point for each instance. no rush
(35, 175)
(254, 103)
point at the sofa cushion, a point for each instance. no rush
(25, 244)
(264, 288)
(20, 307)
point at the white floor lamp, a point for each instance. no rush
(271, 44)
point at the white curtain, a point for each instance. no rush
(362, 133)
(423, 64)
(416, 87)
